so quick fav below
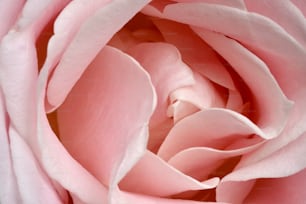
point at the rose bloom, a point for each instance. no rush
(168, 102)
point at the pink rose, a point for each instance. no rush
(120, 102)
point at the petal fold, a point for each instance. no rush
(90, 37)
(153, 176)
(107, 114)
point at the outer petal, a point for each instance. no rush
(195, 52)
(36, 14)
(18, 55)
(9, 10)
(9, 190)
(301, 5)
(92, 35)
(248, 27)
(285, 162)
(281, 190)
(34, 186)
(284, 13)
(272, 105)
(59, 164)
(106, 116)
(235, 3)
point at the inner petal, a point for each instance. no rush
(214, 127)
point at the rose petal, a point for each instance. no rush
(92, 35)
(128, 197)
(283, 55)
(18, 83)
(235, 101)
(106, 115)
(181, 109)
(153, 176)
(239, 4)
(202, 94)
(58, 163)
(168, 73)
(200, 128)
(195, 52)
(250, 28)
(18, 55)
(284, 13)
(281, 190)
(9, 190)
(36, 14)
(33, 185)
(282, 163)
(200, 162)
(301, 5)
(72, 16)
(9, 10)
(272, 105)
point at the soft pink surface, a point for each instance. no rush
(88, 35)
(154, 119)
(168, 72)
(23, 179)
(273, 47)
(164, 180)
(282, 190)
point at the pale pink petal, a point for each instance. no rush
(280, 190)
(280, 51)
(284, 56)
(202, 94)
(239, 4)
(91, 36)
(282, 163)
(286, 60)
(36, 14)
(284, 13)
(58, 163)
(168, 72)
(153, 176)
(9, 11)
(181, 109)
(33, 185)
(250, 28)
(128, 197)
(106, 115)
(65, 170)
(195, 52)
(66, 26)
(151, 10)
(203, 129)
(301, 5)
(9, 190)
(288, 67)
(200, 162)
(18, 55)
(272, 106)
